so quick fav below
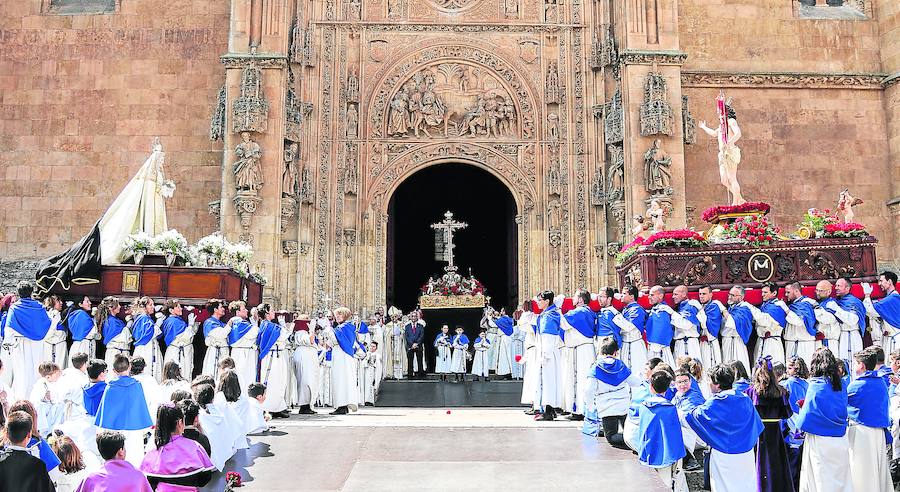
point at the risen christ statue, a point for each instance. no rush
(728, 133)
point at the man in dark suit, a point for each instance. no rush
(415, 335)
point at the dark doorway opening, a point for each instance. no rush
(487, 246)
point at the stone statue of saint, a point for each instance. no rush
(398, 121)
(553, 126)
(352, 85)
(247, 174)
(291, 177)
(658, 175)
(553, 93)
(352, 122)
(729, 152)
(657, 215)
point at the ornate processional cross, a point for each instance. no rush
(448, 226)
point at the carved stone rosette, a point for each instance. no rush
(656, 113)
(250, 111)
(246, 205)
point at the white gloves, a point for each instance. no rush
(867, 288)
(281, 320)
(191, 319)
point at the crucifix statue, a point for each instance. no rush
(448, 226)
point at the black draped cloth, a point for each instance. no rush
(80, 265)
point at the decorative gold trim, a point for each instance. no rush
(131, 282)
(453, 302)
(805, 80)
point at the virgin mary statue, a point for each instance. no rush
(140, 207)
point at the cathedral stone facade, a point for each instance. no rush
(289, 123)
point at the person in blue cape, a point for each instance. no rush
(442, 345)
(737, 327)
(851, 314)
(823, 417)
(728, 423)
(460, 345)
(116, 333)
(741, 377)
(146, 331)
(885, 312)
(771, 320)
(660, 327)
(274, 361)
(633, 350)
(711, 325)
(93, 392)
(687, 325)
(687, 394)
(83, 329)
(609, 319)
(609, 392)
(868, 406)
(123, 408)
(480, 364)
(345, 390)
(772, 403)
(796, 384)
(215, 332)
(580, 327)
(548, 328)
(179, 336)
(242, 335)
(638, 395)
(801, 334)
(661, 445)
(27, 323)
(504, 355)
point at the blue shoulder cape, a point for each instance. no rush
(741, 386)
(363, 328)
(796, 391)
(606, 327)
(29, 319)
(346, 337)
(123, 406)
(867, 400)
(45, 452)
(548, 321)
(743, 321)
(3, 324)
(690, 400)
(850, 302)
(461, 339)
(479, 340)
(661, 442)
(211, 323)
(713, 318)
(172, 327)
(93, 392)
(505, 323)
(611, 371)
(659, 326)
(438, 337)
(142, 329)
(584, 320)
(728, 422)
(774, 310)
(824, 411)
(636, 314)
(268, 335)
(889, 309)
(111, 329)
(689, 312)
(807, 313)
(80, 324)
(239, 329)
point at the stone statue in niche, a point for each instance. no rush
(355, 9)
(352, 121)
(250, 110)
(247, 173)
(511, 9)
(291, 177)
(615, 188)
(554, 180)
(553, 126)
(656, 113)
(553, 91)
(658, 175)
(554, 220)
(657, 215)
(550, 10)
(394, 9)
(352, 86)
(728, 133)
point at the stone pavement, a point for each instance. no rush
(427, 449)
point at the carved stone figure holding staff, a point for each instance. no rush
(728, 133)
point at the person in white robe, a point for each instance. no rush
(306, 369)
(771, 320)
(610, 386)
(531, 357)
(179, 336)
(884, 314)
(6, 375)
(711, 324)
(799, 334)
(373, 372)
(868, 408)
(116, 333)
(146, 331)
(230, 393)
(27, 324)
(274, 365)
(826, 321)
(84, 330)
(687, 332)
(580, 327)
(343, 363)
(633, 351)
(733, 345)
(395, 346)
(215, 333)
(47, 399)
(325, 340)
(55, 346)
(661, 326)
(849, 319)
(363, 337)
(378, 335)
(490, 330)
(226, 433)
(503, 355)
(552, 395)
(153, 393)
(442, 345)
(517, 351)
(243, 332)
(460, 345)
(480, 361)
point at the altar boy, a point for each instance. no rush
(123, 408)
(867, 406)
(661, 445)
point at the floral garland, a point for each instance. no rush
(629, 250)
(818, 220)
(755, 231)
(678, 238)
(453, 285)
(712, 214)
(848, 229)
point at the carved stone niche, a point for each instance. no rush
(250, 111)
(614, 118)
(288, 212)
(687, 122)
(656, 113)
(217, 121)
(293, 125)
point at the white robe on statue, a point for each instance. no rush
(245, 355)
(274, 372)
(826, 464)
(306, 368)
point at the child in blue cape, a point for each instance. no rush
(610, 389)
(868, 404)
(123, 408)
(661, 446)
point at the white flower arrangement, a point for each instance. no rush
(140, 243)
(240, 253)
(212, 246)
(173, 242)
(211, 250)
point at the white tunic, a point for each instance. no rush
(869, 468)
(608, 400)
(581, 356)
(633, 351)
(883, 333)
(531, 358)
(225, 432)
(306, 367)
(373, 370)
(826, 464)
(687, 334)
(343, 379)
(772, 345)
(733, 346)
(733, 472)
(26, 355)
(710, 350)
(274, 373)
(216, 350)
(797, 341)
(458, 359)
(551, 392)
(442, 360)
(88, 345)
(517, 348)
(245, 354)
(480, 361)
(828, 324)
(850, 341)
(181, 351)
(55, 343)
(151, 353)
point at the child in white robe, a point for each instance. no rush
(274, 366)
(442, 360)
(221, 426)
(228, 393)
(55, 349)
(146, 331)
(480, 362)
(47, 401)
(460, 344)
(257, 416)
(868, 408)
(373, 367)
(215, 334)
(152, 391)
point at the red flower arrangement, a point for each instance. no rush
(712, 214)
(232, 480)
(848, 229)
(638, 241)
(678, 238)
(756, 231)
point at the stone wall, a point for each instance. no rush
(82, 98)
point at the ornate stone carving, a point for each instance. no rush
(782, 79)
(598, 190)
(352, 122)
(609, 54)
(351, 170)
(352, 86)
(290, 185)
(656, 113)
(612, 248)
(215, 209)
(615, 172)
(247, 173)
(494, 68)
(553, 126)
(349, 239)
(554, 181)
(245, 205)
(322, 205)
(688, 124)
(301, 49)
(305, 195)
(354, 9)
(304, 248)
(250, 110)
(638, 57)
(614, 118)
(395, 9)
(289, 247)
(553, 89)
(469, 99)
(452, 5)
(554, 220)
(293, 111)
(217, 121)
(529, 50)
(551, 10)
(511, 9)
(288, 212)
(657, 172)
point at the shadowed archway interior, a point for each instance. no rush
(488, 245)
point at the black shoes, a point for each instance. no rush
(284, 414)
(575, 417)
(306, 410)
(340, 411)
